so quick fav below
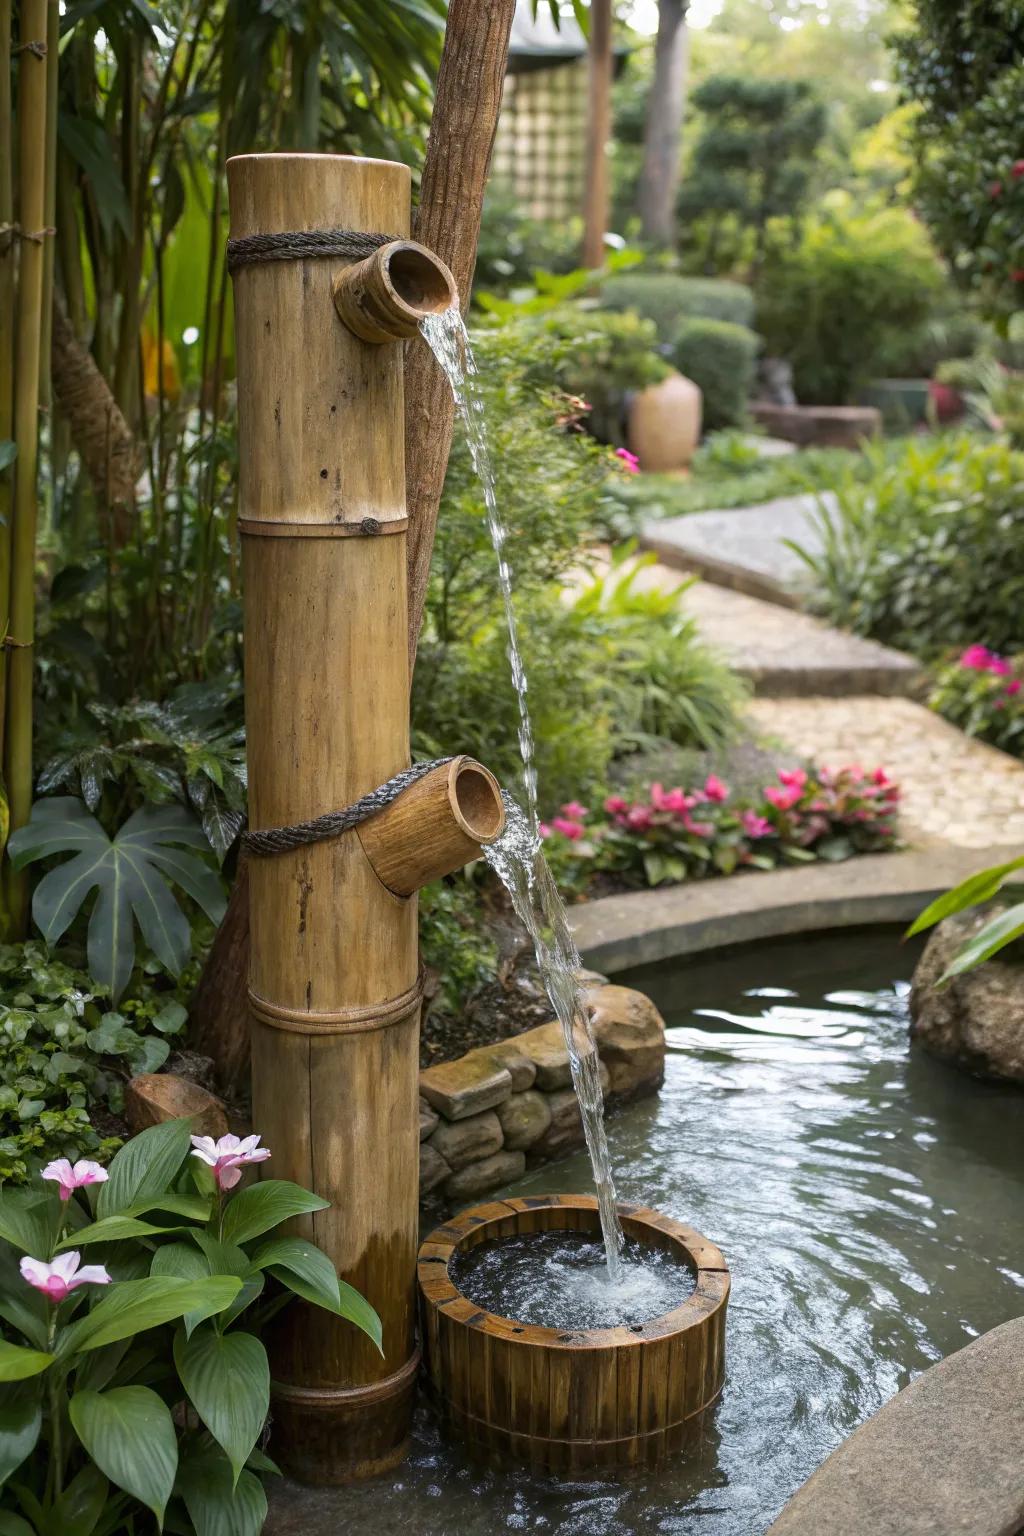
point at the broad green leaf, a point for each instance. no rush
(29, 1219)
(971, 892)
(310, 1274)
(192, 1206)
(80, 1506)
(136, 1305)
(17, 1363)
(227, 1378)
(14, 1525)
(126, 874)
(218, 1505)
(113, 1229)
(144, 1168)
(186, 1260)
(129, 1433)
(21, 1419)
(994, 936)
(263, 1206)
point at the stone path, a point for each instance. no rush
(746, 548)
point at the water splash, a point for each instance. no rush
(516, 857)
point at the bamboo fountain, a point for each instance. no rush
(334, 992)
(333, 983)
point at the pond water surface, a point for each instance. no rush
(868, 1200)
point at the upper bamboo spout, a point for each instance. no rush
(435, 826)
(385, 296)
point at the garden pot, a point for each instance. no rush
(902, 402)
(664, 424)
(593, 1400)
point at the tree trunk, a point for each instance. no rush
(98, 429)
(599, 127)
(659, 177)
(466, 106)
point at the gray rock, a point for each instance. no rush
(477, 1178)
(433, 1169)
(461, 1142)
(975, 1021)
(630, 1035)
(507, 1054)
(428, 1120)
(524, 1119)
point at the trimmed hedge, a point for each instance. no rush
(720, 358)
(666, 298)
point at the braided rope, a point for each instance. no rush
(334, 823)
(295, 245)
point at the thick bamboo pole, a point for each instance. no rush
(32, 73)
(333, 983)
(7, 267)
(599, 127)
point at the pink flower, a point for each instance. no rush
(629, 461)
(574, 811)
(71, 1178)
(698, 828)
(1000, 666)
(615, 805)
(782, 799)
(793, 778)
(543, 829)
(228, 1155)
(672, 800)
(63, 1276)
(755, 825)
(639, 818)
(715, 789)
(570, 829)
(1013, 687)
(976, 658)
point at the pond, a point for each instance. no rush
(868, 1200)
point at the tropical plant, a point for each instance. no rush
(1001, 929)
(926, 553)
(152, 1397)
(981, 692)
(130, 874)
(829, 302)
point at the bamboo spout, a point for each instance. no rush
(385, 296)
(435, 826)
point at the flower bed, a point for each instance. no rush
(674, 835)
(981, 693)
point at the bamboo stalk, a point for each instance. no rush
(599, 124)
(7, 262)
(49, 197)
(32, 87)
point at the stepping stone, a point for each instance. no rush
(746, 549)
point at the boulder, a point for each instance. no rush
(975, 1021)
(433, 1169)
(630, 1035)
(477, 1178)
(153, 1097)
(428, 1120)
(566, 1128)
(524, 1118)
(545, 1047)
(458, 1089)
(461, 1142)
(506, 1053)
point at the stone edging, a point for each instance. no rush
(486, 1116)
(645, 926)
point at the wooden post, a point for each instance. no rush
(333, 985)
(599, 127)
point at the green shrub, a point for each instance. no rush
(720, 358)
(831, 304)
(666, 298)
(928, 553)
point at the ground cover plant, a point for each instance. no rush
(139, 1383)
(981, 692)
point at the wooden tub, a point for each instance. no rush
(595, 1399)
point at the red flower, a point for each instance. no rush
(1017, 275)
(1017, 170)
(995, 189)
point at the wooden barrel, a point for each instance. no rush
(592, 1400)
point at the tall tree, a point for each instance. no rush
(659, 178)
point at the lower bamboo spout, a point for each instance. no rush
(435, 826)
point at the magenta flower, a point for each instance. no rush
(570, 829)
(615, 805)
(63, 1276)
(976, 658)
(782, 799)
(74, 1177)
(228, 1156)
(544, 830)
(755, 825)
(1013, 688)
(793, 778)
(574, 811)
(638, 818)
(629, 461)
(673, 800)
(715, 789)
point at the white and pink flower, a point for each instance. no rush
(71, 1176)
(64, 1275)
(228, 1156)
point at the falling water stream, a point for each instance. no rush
(516, 857)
